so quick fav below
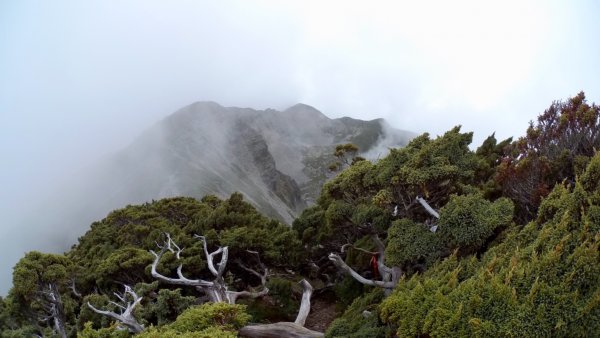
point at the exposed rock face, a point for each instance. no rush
(251, 145)
(277, 159)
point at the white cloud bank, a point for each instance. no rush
(79, 79)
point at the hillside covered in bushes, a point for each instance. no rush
(437, 239)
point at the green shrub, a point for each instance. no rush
(347, 290)
(168, 305)
(410, 242)
(356, 323)
(107, 332)
(542, 280)
(223, 315)
(279, 305)
(280, 291)
(468, 221)
(210, 332)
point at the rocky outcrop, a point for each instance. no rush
(252, 151)
(278, 159)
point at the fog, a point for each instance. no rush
(81, 79)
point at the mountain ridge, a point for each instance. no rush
(277, 159)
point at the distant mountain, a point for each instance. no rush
(278, 159)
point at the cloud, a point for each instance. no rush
(82, 79)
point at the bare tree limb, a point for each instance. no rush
(305, 303)
(175, 281)
(427, 207)
(74, 289)
(339, 262)
(54, 308)
(389, 276)
(278, 330)
(262, 277)
(126, 317)
(286, 329)
(210, 257)
(216, 290)
(234, 295)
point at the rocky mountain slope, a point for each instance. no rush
(277, 159)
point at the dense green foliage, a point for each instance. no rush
(210, 320)
(542, 280)
(497, 279)
(360, 200)
(360, 319)
(467, 221)
(514, 252)
(115, 251)
(346, 156)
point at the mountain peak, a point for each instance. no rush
(279, 160)
(302, 107)
(205, 104)
(305, 110)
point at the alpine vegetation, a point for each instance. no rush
(435, 239)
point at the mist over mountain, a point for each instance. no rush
(278, 159)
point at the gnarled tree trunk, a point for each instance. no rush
(389, 276)
(126, 317)
(216, 290)
(55, 310)
(286, 329)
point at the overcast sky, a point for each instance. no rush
(80, 79)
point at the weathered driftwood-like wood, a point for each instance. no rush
(278, 330)
(389, 276)
(215, 290)
(427, 207)
(54, 309)
(286, 329)
(126, 317)
(305, 303)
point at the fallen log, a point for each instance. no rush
(278, 330)
(286, 329)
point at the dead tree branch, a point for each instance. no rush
(54, 309)
(389, 276)
(305, 303)
(74, 289)
(216, 290)
(126, 317)
(428, 208)
(286, 329)
(339, 262)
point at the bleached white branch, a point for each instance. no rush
(175, 281)
(427, 207)
(126, 317)
(234, 295)
(53, 307)
(210, 257)
(216, 290)
(74, 289)
(339, 262)
(286, 329)
(348, 245)
(305, 303)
